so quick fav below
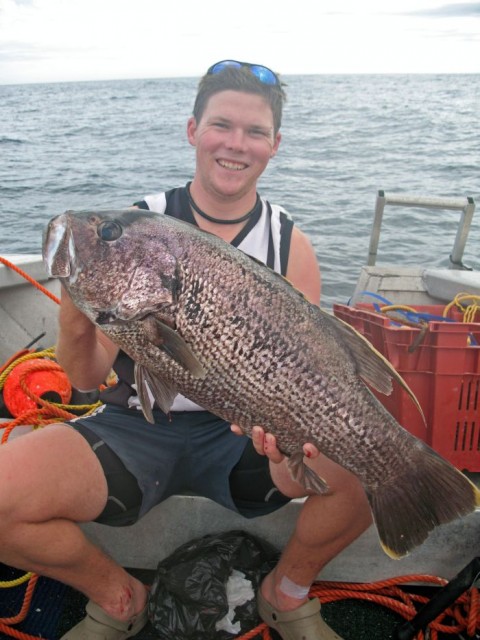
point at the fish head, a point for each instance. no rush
(117, 266)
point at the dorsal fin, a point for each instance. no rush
(372, 366)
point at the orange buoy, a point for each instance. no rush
(43, 378)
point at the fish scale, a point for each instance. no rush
(202, 319)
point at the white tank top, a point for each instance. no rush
(266, 237)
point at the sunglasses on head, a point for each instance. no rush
(264, 74)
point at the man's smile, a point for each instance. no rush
(234, 166)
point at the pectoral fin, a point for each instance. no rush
(305, 475)
(151, 386)
(169, 341)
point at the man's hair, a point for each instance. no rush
(239, 79)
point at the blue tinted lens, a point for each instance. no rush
(220, 66)
(264, 74)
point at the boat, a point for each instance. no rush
(28, 315)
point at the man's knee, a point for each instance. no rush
(50, 473)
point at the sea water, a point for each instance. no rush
(344, 137)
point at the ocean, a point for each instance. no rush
(344, 137)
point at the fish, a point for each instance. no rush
(201, 318)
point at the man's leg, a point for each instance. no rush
(326, 525)
(49, 480)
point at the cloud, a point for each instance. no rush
(455, 10)
(57, 40)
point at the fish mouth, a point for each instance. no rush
(59, 248)
(108, 317)
(115, 316)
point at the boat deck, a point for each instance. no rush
(182, 518)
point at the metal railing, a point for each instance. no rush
(465, 205)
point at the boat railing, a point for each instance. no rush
(465, 205)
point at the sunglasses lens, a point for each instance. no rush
(220, 66)
(263, 74)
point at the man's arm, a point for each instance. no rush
(303, 270)
(82, 350)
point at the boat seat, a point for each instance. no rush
(445, 284)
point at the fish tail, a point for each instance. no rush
(430, 493)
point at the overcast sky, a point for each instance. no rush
(58, 40)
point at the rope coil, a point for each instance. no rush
(462, 616)
(46, 412)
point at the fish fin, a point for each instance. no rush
(170, 341)
(429, 493)
(305, 475)
(149, 385)
(143, 392)
(372, 366)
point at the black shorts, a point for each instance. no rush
(227, 469)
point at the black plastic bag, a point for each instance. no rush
(189, 596)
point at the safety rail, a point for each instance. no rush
(466, 205)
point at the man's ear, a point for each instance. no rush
(276, 144)
(191, 131)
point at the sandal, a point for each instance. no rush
(304, 623)
(98, 625)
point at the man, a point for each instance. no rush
(113, 467)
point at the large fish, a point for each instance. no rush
(201, 318)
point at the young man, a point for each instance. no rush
(101, 467)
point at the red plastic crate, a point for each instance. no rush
(443, 372)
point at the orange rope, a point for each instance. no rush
(43, 365)
(21, 615)
(36, 284)
(464, 614)
(8, 631)
(261, 628)
(47, 412)
(15, 356)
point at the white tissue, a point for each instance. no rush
(239, 591)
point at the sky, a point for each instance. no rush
(71, 40)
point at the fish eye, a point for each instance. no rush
(109, 231)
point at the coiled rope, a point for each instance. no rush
(467, 303)
(463, 616)
(46, 412)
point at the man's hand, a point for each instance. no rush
(266, 445)
(83, 351)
